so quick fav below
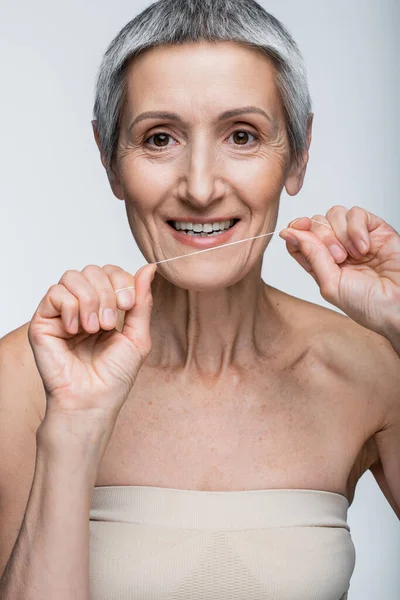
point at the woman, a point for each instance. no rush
(215, 433)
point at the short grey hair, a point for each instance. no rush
(179, 21)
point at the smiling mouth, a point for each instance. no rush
(203, 229)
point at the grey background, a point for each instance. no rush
(58, 212)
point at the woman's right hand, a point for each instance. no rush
(87, 366)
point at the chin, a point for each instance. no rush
(203, 278)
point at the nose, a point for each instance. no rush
(202, 184)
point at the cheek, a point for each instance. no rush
(145, 182)
(259, 181)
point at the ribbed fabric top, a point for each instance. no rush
(171, 544)
(205, 510)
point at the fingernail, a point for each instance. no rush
(337, 252)
(353, 251)
(109, 317)
(125, 298)
(291, 239)
(294, 221)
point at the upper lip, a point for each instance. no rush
(202, 220)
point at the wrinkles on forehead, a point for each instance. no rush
(199, 81)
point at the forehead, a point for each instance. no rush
(202, 78)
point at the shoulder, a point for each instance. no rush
(21, 386)
(352, 354)
(356, 352)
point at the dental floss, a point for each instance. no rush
(217, 247)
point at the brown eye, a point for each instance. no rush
(162, 137)
(240, 137)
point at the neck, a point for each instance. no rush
(209, 334)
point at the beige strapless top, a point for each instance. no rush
(151, 543)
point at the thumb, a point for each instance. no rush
(137, 320)
(312, 254)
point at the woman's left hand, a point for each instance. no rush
(356, 263)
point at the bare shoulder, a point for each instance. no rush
(352, 353)
(21, 382)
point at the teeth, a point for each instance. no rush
(206, 228)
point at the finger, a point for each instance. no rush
(301, 223)
(320, 226)
(120, 280)
(101, 284)
(357, 227)
(297, 255)
(337, 217)
(59, 302)
(88, 299)
(137, 319)
(305, 223)
(323, 266)
(336, 220)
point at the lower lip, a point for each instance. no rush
(198, 241)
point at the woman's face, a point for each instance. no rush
(201, 165)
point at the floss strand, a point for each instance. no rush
(217, 248)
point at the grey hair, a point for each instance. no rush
(180, 21)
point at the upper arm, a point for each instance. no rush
(369, 363)
(387, 469)
(21, 402)
(382, 477)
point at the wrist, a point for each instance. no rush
(81, 439)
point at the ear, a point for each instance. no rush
(295, 177)
(112, 176)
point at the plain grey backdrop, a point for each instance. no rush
(58, 212)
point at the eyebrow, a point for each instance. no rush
(156, 114)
